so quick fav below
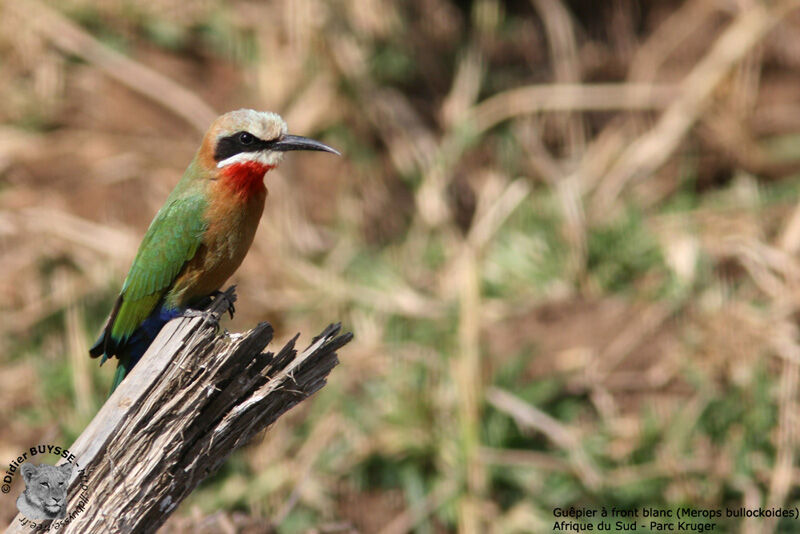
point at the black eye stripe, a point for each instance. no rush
(237, 143)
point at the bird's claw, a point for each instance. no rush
(208, 316)
(230, 307)
(207, 302)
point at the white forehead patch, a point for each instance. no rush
(263, 124)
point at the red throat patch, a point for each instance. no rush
(246, 178)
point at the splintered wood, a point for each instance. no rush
(194, 398)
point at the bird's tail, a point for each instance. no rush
(131, 351)
(119, 374)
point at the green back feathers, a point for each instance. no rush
(172, 239)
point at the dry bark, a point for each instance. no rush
(195, 397)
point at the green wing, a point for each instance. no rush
(172, 240)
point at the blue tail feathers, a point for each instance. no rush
(142, 337)
(131, 350)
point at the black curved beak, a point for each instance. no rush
(297, 142)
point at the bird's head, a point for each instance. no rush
(246, 143)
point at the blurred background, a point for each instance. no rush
(563, 232)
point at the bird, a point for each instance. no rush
(200, 235)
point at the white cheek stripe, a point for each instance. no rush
(264, 157)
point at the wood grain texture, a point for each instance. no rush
(195, 397)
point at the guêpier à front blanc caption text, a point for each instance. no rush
(681, 519)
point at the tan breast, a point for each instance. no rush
(232, 223)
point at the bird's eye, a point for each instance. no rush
(246, 138)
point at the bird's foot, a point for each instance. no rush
(208, 316)
(214, 305)
(222, 301)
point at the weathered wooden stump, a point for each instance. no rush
(195, 397)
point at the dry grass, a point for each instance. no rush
(564, 234)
